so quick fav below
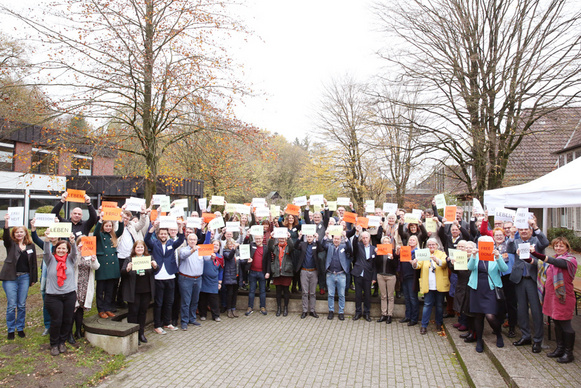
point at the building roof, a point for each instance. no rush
(45, 137)
(536, 154)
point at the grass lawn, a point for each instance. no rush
(26, 362)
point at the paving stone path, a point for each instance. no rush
(260, 351)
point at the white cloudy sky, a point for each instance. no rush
(297, 47)
(306, 43)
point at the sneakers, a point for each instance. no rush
(170, 327)
(249, 311)
(159, 330)
(45, 332)
(195, 323)
(263, 310)
(54, 351)
(202, 318)
(218, 319)
(184, 327)
(62, 348)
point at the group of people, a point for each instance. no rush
(186, 285)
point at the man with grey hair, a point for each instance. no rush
(363, 261)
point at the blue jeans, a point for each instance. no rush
(253, 277)
(16, 293)
(336, 281)
(45, 314)
(429, 299)
(412, 303)
(190, 294)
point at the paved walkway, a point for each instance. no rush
(261, 351)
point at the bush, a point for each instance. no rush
(568, 234)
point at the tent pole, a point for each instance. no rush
(545, 221)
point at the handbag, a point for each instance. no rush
(498, 291)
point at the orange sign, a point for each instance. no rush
(205, 249)
(111, 214)
(485, 249)
(350, 217)
(89, 247)
(450, 213)
(207, 217)
(153, 215)
(75, 196)
(405, 254)
(105, 204)
(384, 249)
(363, 222)
(292, 209)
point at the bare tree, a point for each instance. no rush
(489, 69)
(156, 68)
(397, 136)
(344, 127)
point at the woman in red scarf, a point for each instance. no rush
(61, 289)
(559, 296)
(281, 271)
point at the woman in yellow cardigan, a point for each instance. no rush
(434, 284)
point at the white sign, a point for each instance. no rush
(17, 216)
(177, 212)
(165, 203)
(524, 251)
(156, 199)
(168, 222)
(61, 229)
(343, 201)
(183, 203)
(477, 206)
(257, 202)
(370, 206)
(502, 214)
(262, 212)
(280, 233)
(335, 230)
(308, 229)
(233, 226)
(134, 204)
(194, 222)
(389, 208)
(440, 201)
(374, 221)
(243, 209)
(217, 200)
(417, 213)
(521, 218)
(216, 223)
(422, 254)
(244, 251)
(317, 199)
(301, 201)
(203, 204)
(257, 230)
(44, 220)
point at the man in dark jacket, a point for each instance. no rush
(362, 272)
(524, 275)
(79, 227)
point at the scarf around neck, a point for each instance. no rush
(61, 269)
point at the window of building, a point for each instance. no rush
(82, 165)
(564, 218)
(44, 162)
(6, 157)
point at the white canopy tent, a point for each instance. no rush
(559, 188)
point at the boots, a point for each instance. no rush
(285, 312)
(560, 344)
(278, 311)
(569, 340)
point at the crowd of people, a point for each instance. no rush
(186, 285)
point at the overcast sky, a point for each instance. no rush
(306, 43)
(297, 47)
